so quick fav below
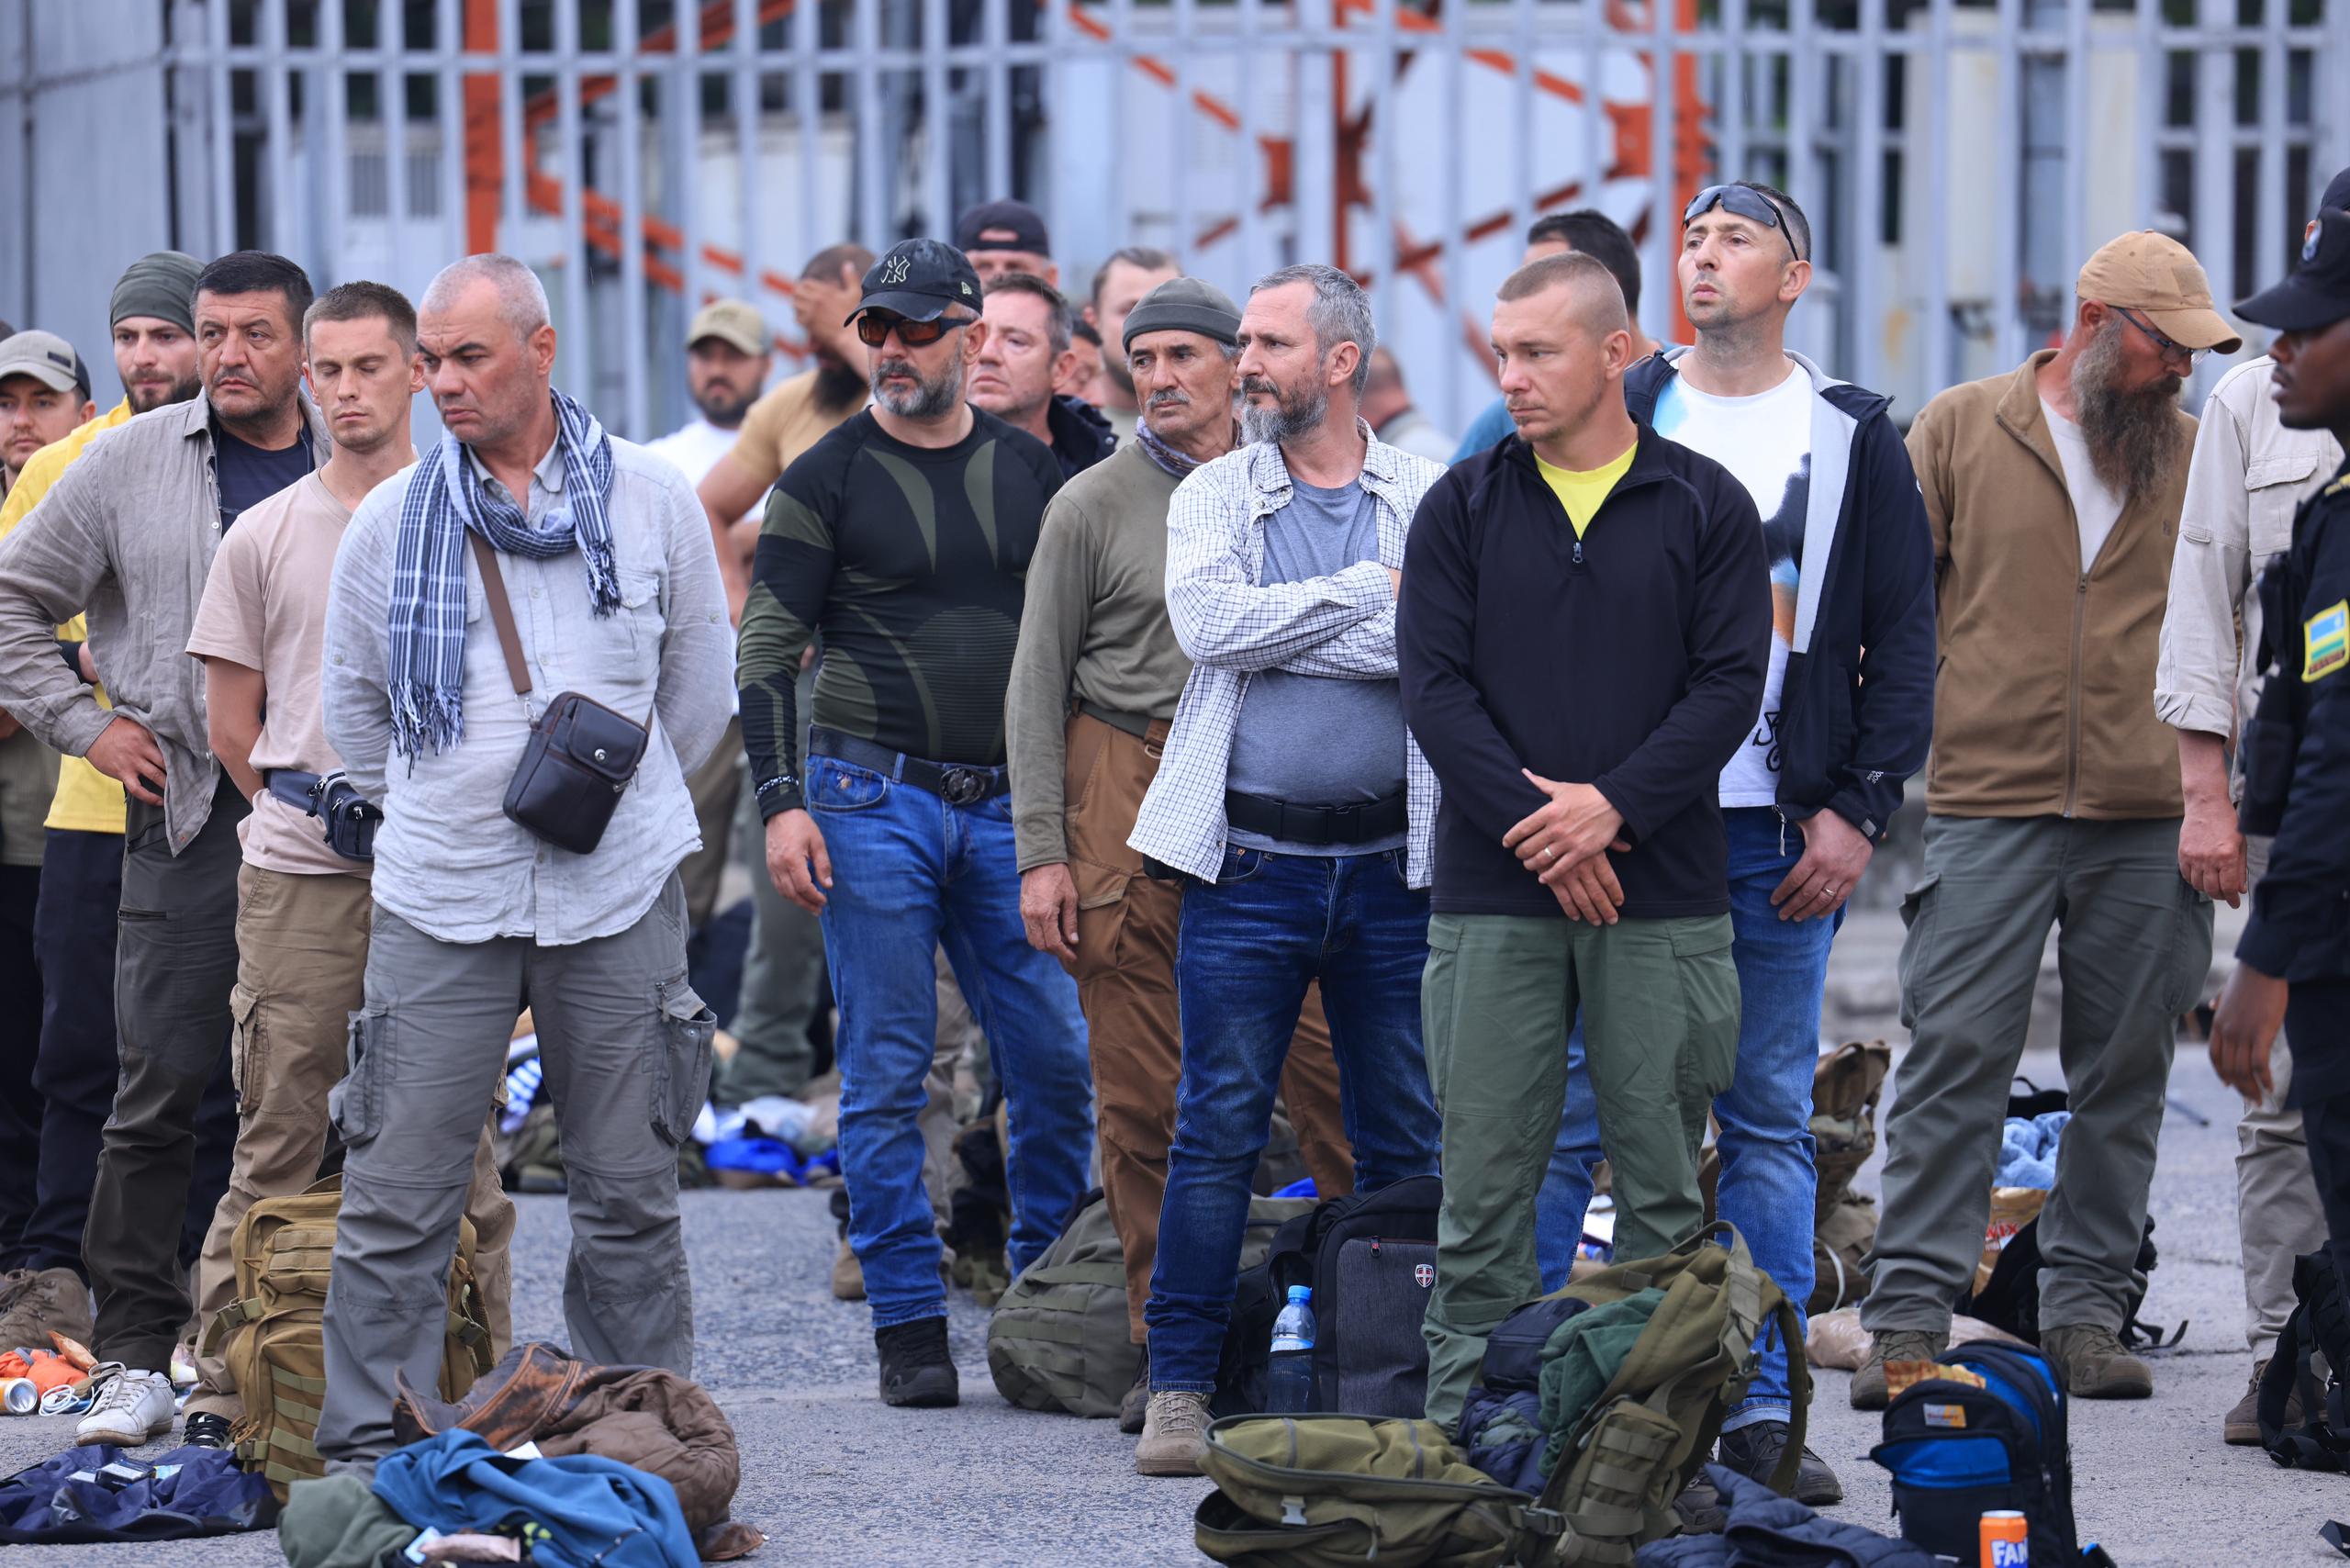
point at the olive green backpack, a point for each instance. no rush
(1057, 1340)
(1331, 1491)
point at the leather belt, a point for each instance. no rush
(957, 783)
(1136, 724)
(1289, 824)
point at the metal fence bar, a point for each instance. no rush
(1380, 255)
(512, 209)
(1663, 226)
(872, 196)
(330, 101)
(808, 98)
(2215, 93)
(1180, 163)
(938, 123)
(578, 359)
(996, 36)
(1860, 292)
(630, 134)
(1252, 234)
(1929, 172)
(1454, 271)
(743, 96)
(448, 98)
(2007, 217)
(2270, 222)
(1524, 176)
(681, 116)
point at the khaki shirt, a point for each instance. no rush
(126, 534)
(2248, 475)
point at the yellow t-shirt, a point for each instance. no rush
(1581, 492)
(87, 800)
(786, 421)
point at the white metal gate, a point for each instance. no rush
(1958, 160)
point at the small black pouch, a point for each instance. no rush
(581, 755)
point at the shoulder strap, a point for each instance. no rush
(501, 610)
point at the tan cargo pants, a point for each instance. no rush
(301, 968)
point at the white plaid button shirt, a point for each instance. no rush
(1232, 625)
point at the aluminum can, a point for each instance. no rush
(2006, 1540)
(18, 1396)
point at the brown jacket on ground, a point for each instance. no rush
(2043, 695)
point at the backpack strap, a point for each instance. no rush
(2312, 1445)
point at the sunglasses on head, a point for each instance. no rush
(1741, 201)
(873, 330)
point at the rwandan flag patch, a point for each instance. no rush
(2327, 639)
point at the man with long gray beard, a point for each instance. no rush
(902, 539)
(2053, 494)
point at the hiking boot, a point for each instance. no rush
(1892, 1345)
(205, 1430)
(1754, 1450)
(1174, 1434)
(848, 1274)
(1137, 1403)
(917, 1369)
(132, 1407)
(2241, 1425)
(37, 1303)
(1699, 1506)
(2094, 1364)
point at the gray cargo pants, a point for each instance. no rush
(626, 1046)
(2278, 1214)
(2134, 948)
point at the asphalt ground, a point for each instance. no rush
(835, 1478)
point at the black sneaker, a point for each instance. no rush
(1754, 1451)
(917, 1369)
(206, 1431)
(1137, 1403)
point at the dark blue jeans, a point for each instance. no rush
(1247, 948)
(1768, 1181)
(911, 873)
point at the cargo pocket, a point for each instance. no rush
(2187, 964)
(680, 1059)
(1439, 987)
(1917, 919)
(248, 1049)
(1701, 952)
(356, 1106)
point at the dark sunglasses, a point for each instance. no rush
(873, 330)
(2168, 347)
(1741, 201)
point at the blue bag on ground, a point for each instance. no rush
(582, 1510)
(192, 1492)
(1767, 1530)
(1957, 1452)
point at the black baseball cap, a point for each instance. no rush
(2318, 293)
(920, 279)
(1016, 225)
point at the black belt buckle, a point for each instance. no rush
(1343, 824)
(964, 786)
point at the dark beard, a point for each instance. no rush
(838, 386)
(2135, 439)
(181, 392)
(726, 410)
(1293, 415)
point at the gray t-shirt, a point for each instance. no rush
(1315, 740)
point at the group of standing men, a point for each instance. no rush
(1501, 817)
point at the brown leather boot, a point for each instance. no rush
(1892, 1345)
(2093, 1363)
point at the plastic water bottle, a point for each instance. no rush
(1289, 1386)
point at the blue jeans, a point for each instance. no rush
(1245, 948)
(1768, 1181)
(912, 873)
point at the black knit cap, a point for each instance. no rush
(1184, 305)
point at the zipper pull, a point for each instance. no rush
(1578, 550)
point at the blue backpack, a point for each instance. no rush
(1957, 1452)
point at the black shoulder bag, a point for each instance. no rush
(580, 756)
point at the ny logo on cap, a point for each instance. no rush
(2317, 234)
(893, 272)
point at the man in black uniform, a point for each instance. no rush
(2293, 962)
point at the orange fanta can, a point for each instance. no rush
(2006, 1540)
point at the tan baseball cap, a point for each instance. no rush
(730, 321)
(2159, 278)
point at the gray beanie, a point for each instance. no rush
(1184, 305)
(162, 285)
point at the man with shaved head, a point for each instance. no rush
(1579, 860)
(128, 533)
(528, 554)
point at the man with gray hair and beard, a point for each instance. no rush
(528, 562)
(903, 538)
(2053, 494)
(1294, 803)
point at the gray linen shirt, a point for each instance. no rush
(447, 860)
(126, 534)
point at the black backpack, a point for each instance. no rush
(2319, 1325)
(1369, 1259)
(1956, 1452)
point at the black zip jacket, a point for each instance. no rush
(1081, 434)
(1856, 708)
(1631, 659)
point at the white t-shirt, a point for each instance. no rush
(2096, 506)
(1765, 441)
(696, 447)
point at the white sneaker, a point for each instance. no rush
(133, 1407)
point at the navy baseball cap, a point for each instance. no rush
(1003, 226)
(920, 279)
(2318, 293)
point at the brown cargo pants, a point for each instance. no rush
(301, 973)
(1126, 984)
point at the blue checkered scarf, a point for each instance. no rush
(446, 498)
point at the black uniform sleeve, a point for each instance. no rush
(1895, 714)
(790, 575)
(2300, 909)
(1729, 639)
